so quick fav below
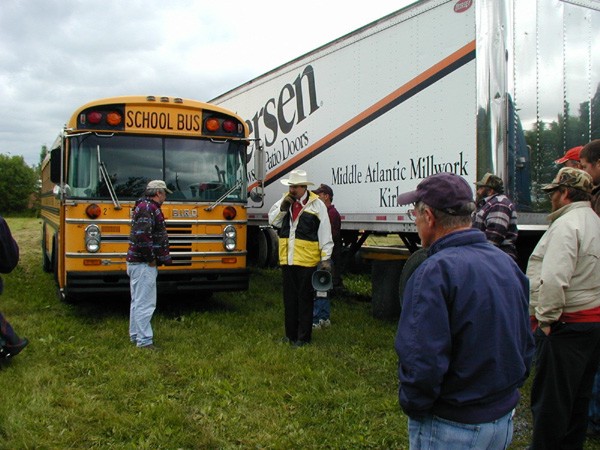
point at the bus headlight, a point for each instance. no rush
(229, 238)
(92, 238)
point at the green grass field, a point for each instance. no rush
(221, 381)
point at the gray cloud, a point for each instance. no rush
(56, 55)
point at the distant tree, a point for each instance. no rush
(596, 115)
(18, 182)
(43, 152)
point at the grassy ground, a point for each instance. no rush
(221, 381)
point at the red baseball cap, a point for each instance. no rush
(572, 154)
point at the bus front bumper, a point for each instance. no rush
(82, 283)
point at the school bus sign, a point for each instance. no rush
(144, 117)
(154, 119)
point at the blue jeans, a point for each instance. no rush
(321, 309)
(432, 432)
(142, 284)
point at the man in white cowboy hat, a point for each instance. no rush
(305, 242)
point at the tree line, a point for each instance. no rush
(20, 184)
(549, 141)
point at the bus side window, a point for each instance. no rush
(55, 165)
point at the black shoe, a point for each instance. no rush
(14, 350)
(300, 343)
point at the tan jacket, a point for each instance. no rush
(564, 268)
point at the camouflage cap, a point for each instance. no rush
(573, 178)
(492, 181)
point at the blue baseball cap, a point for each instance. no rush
(444, 191)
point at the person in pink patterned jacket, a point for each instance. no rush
(148, 249)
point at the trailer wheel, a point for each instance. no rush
(385, 278)
(272, 247)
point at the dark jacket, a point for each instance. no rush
(464, 342)
(148, 240)
(496, 216)
(335, 221)
(9, 251)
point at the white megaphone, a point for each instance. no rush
(322, 282)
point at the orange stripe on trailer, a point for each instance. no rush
(442, 68)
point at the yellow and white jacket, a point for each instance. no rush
(307, 240)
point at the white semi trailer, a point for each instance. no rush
(462, 86)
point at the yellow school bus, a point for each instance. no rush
(99, 166)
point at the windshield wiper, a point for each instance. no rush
(106, 177)
(224, 196)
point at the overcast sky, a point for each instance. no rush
(56, 55)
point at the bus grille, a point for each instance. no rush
(179, 246)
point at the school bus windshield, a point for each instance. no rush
(194, 169)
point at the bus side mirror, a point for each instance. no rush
(258, 193)
(259, 162)
(58, 192)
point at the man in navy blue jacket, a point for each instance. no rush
(464, 341)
